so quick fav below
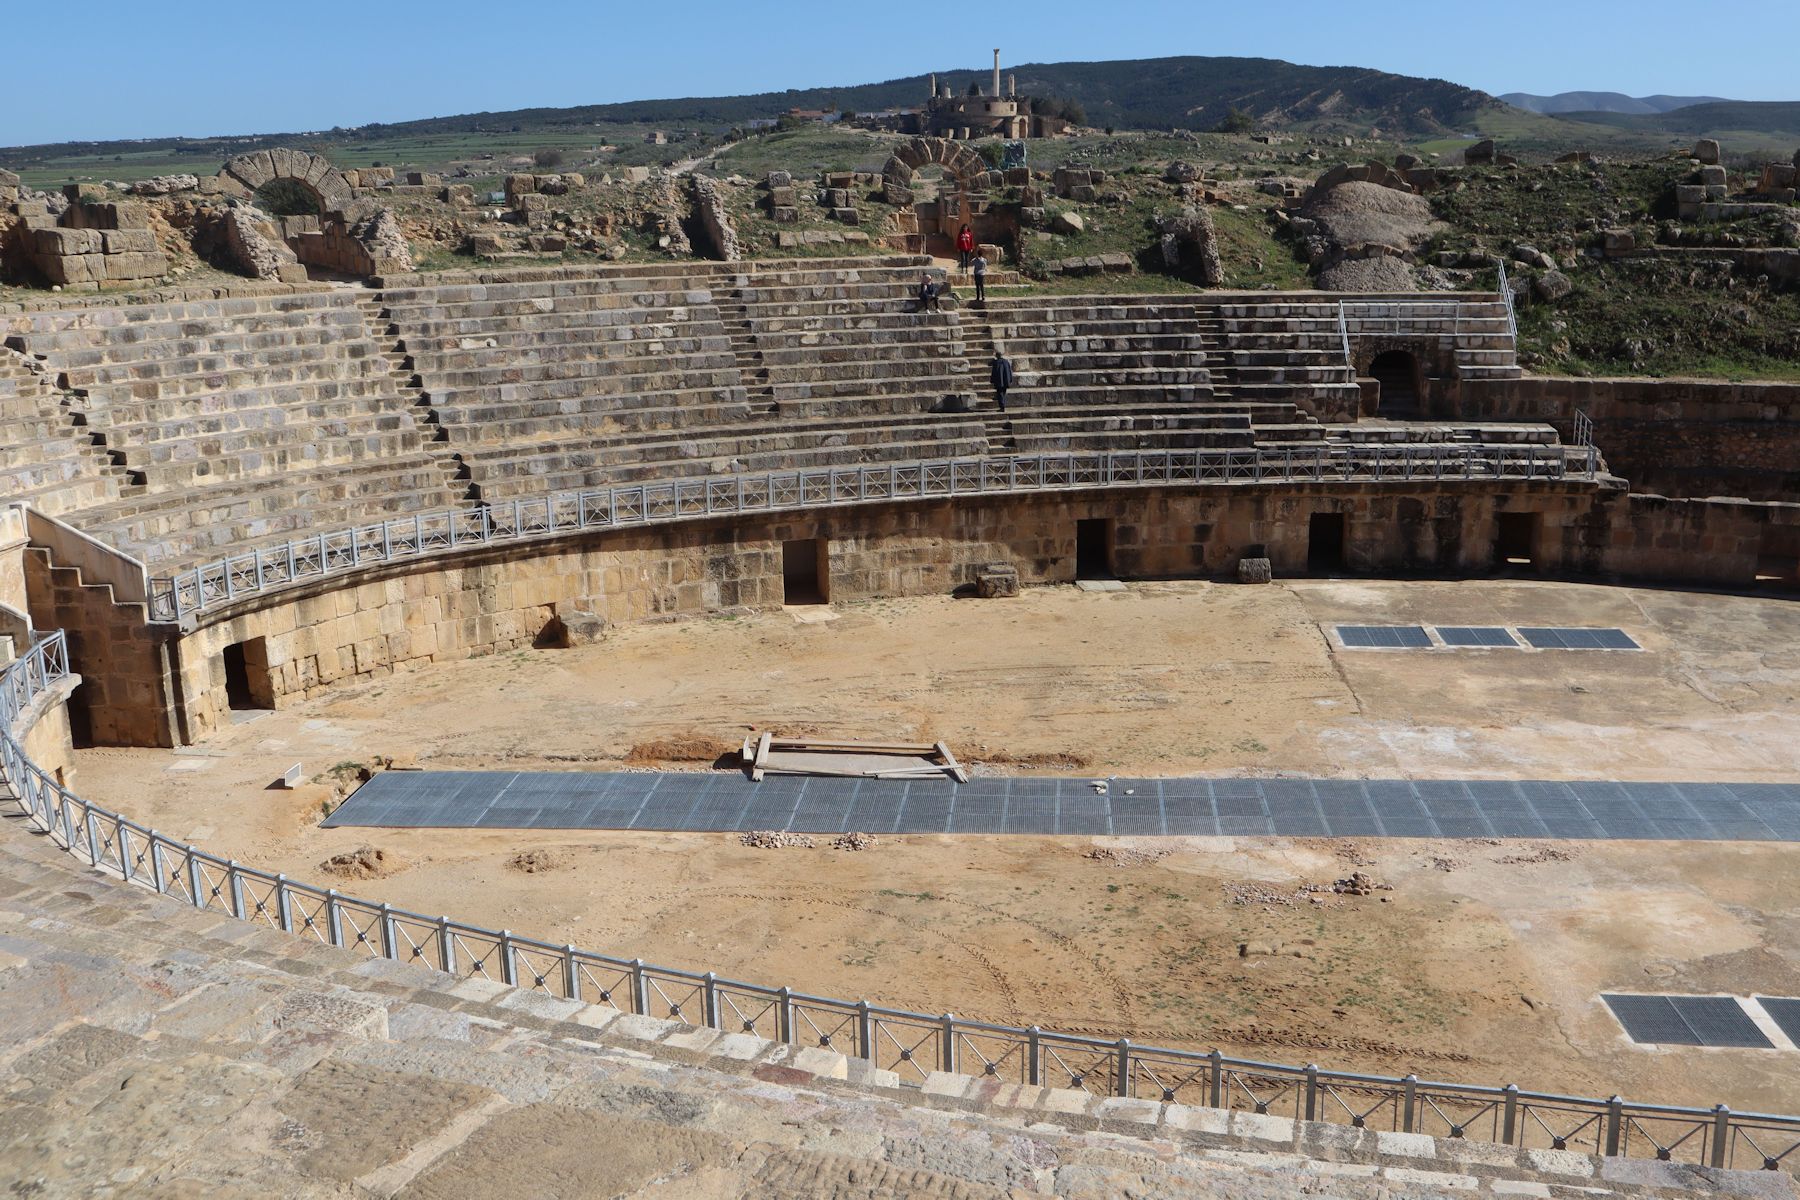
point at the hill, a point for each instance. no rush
(1780, 118)
(1604, 102)
(1157, 93)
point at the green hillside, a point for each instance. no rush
(1779, 117)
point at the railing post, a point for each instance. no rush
(1509, 1115)
(446, 946)
(709, 1000)
(284, 905)
(1215, 1084)
(157, 866)
(90, 823)
(235, 883)
(1615, 1125)
(865, 1032)
(1034, 1056)
(640, 988)
(571, 974)
(509, 965)
(1312, 1091)
(334, 925)
(389, 948)
(1122, 1070)
(947, 1051)
(784, 1015)
(1409, 1104)
(1721, 1136)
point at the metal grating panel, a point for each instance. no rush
(724, 801)
(1578, 639)
(1716, 1021)
(1476, 635)
(1387, 637)
(1785, 1012)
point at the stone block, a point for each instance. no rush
(840, 179)
(846, 215)
(577, 627)
(1082, 194)
(1620, 241)
(66, 269)
(83, 193)
(837, 198)
(459, 195)
(68, 241)
(483, 242)
(520, 185)
(780, 179)
(1018, 176)
(784, 216)
(375, 176)
(129, 241)
(1032, 217)
(898, 196)
(1707, 151)
(783, 197)
(135, 266)
(636, 174)
(1068, 222)
(532, 202)
(996, 581)
(1254, 570)
(1689, 193)
(1713, 176)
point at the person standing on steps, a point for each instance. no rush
(1000, 374)
(965, 247)
(980, 266)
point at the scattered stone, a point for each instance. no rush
(534, 862)
(852, 841)
(1255, 570)
(996, 581)
(1552, 286)
(364, 862)
(1068, 222)
(1360, 884)
(1707, 151)
(1126, 856)
(776, 839)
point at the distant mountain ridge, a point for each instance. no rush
(1777, 117)
(1605, 102)
(1188, 92)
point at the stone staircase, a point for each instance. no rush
(736, 315)
(47, 458)
(151, 1049)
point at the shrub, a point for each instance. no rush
(548, 157)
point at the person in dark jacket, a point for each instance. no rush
(1000, 374)
(928, 294)
(980, 267)
(965, 247)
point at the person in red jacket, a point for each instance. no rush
(965, 247)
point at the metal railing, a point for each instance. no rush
(1506, 297)
(254, 572)
(911, 1044)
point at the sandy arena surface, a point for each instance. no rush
(1482, 964)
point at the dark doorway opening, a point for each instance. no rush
(1325, 542)
(1515, 542)
(81, 719)
(1093, 549)
(1778, 558)
(247, 683)
(804, 571)
(1397, 371)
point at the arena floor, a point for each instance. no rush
(1482, 963)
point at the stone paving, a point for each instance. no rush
(151, 1050)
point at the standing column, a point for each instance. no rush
(996, 92)
(934, 85)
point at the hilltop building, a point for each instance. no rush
(986, 113)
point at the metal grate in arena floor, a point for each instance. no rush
(725, 801)
(1578, 639)
(1785, 1012)
(1477, 636)
(1383, 637)
(1687, 1021)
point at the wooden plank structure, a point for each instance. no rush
(771, 755)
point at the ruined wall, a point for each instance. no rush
(91, 245)
(495, 599)
(124, 698)
(1671, 437)
(715, 218)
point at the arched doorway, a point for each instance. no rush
(1397, 373)
(934, 209)
(287, 177)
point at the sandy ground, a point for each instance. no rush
(1482, 964)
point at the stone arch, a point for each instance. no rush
(969, 169)
(248, 172)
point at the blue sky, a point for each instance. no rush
(124, 68)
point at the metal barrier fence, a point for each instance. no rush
(909, 1043)
(225, 580)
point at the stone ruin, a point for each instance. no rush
(82, 241)
(1707, 196)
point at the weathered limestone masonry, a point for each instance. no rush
(12, 559)
(716, 219)
(1676, 437)
(92, 245)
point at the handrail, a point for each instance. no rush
(913, 1045)
(1506, 295)
(223, 581)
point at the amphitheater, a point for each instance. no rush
(235, 517)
